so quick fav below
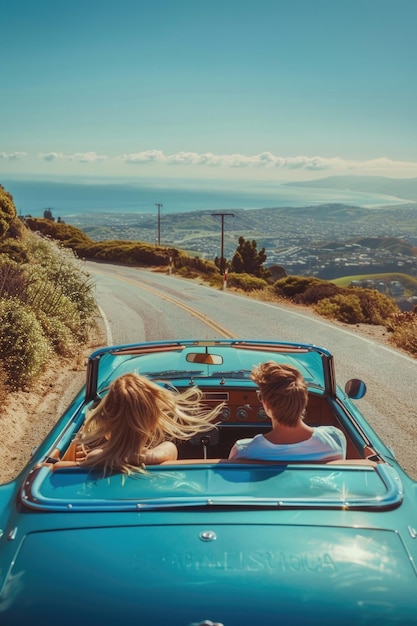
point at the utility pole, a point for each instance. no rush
(159, 205)
(222, 259)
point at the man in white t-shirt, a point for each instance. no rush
(284, 395)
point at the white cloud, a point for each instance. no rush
(189, 158)
(262, 160)
(81, 157)
(148, 156)
(383, 162)
(52, 156)
(88, 157)
(265, 161)
(12, 156)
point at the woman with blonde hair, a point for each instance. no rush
(136, 424)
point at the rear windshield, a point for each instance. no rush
(217, 484)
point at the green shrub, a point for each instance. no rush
(125, 252)
(200, 265)
(54, 290)
(60, 287)
(317, 291)
(186, 272)
(14, 280)
(8, 214)
(46, 298)
(247, 282)
(59, 335)
(215, 280)
(23, 347)
(344, 308)
(327, 308)
(70, 236)
(14, 249)
(292, 286)
(376, 307)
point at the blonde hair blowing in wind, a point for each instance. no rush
(136, 415)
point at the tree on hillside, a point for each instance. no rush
(47, 214)
(8, 214)
(247, 259)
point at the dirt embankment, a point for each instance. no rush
(28, 416)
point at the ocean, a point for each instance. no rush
(72, 198)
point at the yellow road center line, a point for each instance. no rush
(219, 328)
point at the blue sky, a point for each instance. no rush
(256, 89)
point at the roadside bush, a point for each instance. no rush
(14, 249)
(47, 298)
(277, 272)
(126, 252)
(215, 280)
(400, 319)
(317, 291)
(8, 214)
(70, 236)
(247, 282)
(23, 347)
(344, 308)
(186, 272)
(376, 307)
(292, 286)
(54, 307)
(60, 287)
(59, 335)
(194, 262)
(14, 280)
(403, 327)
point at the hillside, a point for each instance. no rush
(408, 282)
(327, 241)
(405, 188)
(273, 228)
(391, 244)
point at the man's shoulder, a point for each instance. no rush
(241, 443)
(335, 433)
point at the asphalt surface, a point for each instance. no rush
(140, 305)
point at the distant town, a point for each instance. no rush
(328, 241)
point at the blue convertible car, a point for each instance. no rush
(203, 540)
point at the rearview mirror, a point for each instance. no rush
(205, 358)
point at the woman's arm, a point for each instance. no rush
(74, 457)
(166, 451)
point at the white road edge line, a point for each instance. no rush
(107, 327)
(329, 325)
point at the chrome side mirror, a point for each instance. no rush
(355, 388)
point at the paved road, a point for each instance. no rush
(139, 305)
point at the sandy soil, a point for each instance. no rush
(28, 416)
